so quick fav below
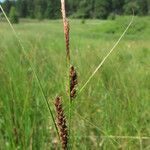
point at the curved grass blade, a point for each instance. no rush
(105, 58)
(34, 72)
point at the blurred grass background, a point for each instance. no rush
(115, 102)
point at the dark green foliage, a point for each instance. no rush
(117, 6)
(100, 9)
(143, 7)
(49, 10)
(86, 9)
(31, 9)
(83, 21)
(112, 16)
(13, 15)
(22, 8)
(103, 8)
(7, 4)
(131, 6)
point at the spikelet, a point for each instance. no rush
(73, 82)
(66, 29)
(61, 122)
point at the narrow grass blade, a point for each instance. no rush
(105, 58)
(33, 69)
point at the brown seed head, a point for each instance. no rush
(66, 28)
(61, 122)
(73, 82)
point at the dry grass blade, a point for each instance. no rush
(105, 136)
(32, 67)
(105, 58)
(126, 137)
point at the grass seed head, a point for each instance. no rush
(61, 122)
(73, 82)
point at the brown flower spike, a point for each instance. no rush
(61, 122)
(66, 29)
(73, 82)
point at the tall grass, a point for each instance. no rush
(36, 77)
(111, 113)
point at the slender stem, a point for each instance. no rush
(105, 58)
(66, 32)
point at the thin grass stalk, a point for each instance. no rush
(112, 137)
(34, 72)
(66, 33)
(106, 57)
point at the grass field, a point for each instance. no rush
(111, 113)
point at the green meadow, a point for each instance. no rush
(113, 110)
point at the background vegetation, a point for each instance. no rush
(116, 101)
(112, 112)
(100, 9)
